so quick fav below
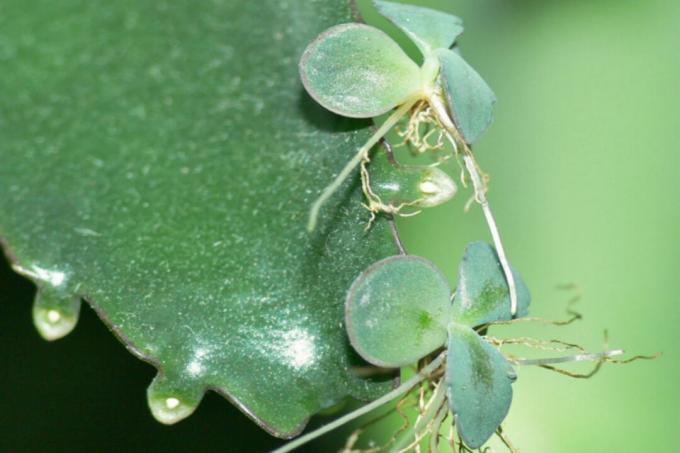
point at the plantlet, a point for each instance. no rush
(358, 71)
(146, 188)
(401, 310)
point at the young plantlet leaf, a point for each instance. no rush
(397, 311)
(470, 99)
(394, 186)
(479, 385)
(358, 71)
(482, 294)
(428, 29)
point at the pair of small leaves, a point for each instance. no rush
(359, 71)
(400, 309)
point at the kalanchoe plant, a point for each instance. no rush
(186, 238)
(401, 310)
(358, 71)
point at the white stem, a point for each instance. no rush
(493, 228)
(443, 116)
(386, 398)
(431, 411)
(358, 157)
(585, 357)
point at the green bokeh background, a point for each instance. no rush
(583, 156)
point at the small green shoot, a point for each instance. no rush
(358, 71)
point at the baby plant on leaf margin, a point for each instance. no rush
(358, 71)
(401, 310)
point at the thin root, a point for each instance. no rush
(506, 441)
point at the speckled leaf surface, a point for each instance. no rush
(470, 98)
(158, 159)
(479, 385)
(482, 294)
(358, 71)
(397, 310)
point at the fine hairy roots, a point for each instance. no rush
(361, 154)
(398, 392)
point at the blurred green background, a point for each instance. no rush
(583, 157)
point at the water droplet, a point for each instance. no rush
(172, 403)
(169, 403)
(429, 187)
(55, 315)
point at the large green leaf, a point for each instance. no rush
(158, 159)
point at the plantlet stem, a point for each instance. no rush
(403, 388)
(437, 426)
(493, 228)
(356, 160)
(480, 192)
(413, 435)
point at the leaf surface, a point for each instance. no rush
(479, 381)
(429, 29)
(159, 159)
(482, 293)
(470, 98)
(358, 71)
(397, 311)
